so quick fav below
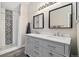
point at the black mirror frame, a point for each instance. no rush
(71, 18)
(42, 21)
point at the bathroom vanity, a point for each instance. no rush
(40, 45)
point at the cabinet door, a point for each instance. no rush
(35, 41)
(35, 53)
(33, 47)
(29, 46)
(36, 47)
(29, 51)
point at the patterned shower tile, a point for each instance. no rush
(8, 27)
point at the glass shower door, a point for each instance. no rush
(9, 20)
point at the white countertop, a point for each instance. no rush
(65, 40)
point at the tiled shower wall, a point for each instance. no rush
(6, 24)
(8, 27)
(9, 21)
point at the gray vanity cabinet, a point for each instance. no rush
(38, 47)
(33, 47)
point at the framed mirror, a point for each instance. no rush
(38, 21)
(61, 17)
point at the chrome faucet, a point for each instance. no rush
(58, 34)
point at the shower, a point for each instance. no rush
(9, 19)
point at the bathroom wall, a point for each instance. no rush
(72, 32)
(78, 27)
(0, 18)
(23, 20)
(78, 38)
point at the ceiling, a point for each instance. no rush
(10, 5)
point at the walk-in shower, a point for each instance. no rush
(9, 19)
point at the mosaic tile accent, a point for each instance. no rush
(8, 27)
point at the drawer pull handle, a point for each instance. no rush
(52, 46)
(51, 54)
(36, 52)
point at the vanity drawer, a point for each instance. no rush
(48, 53)
(52, 54)
(54, 46)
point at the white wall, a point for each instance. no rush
(78, 28)
(78, 38)
(23, 23)
(33, 11)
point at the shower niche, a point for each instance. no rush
(8, 26)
